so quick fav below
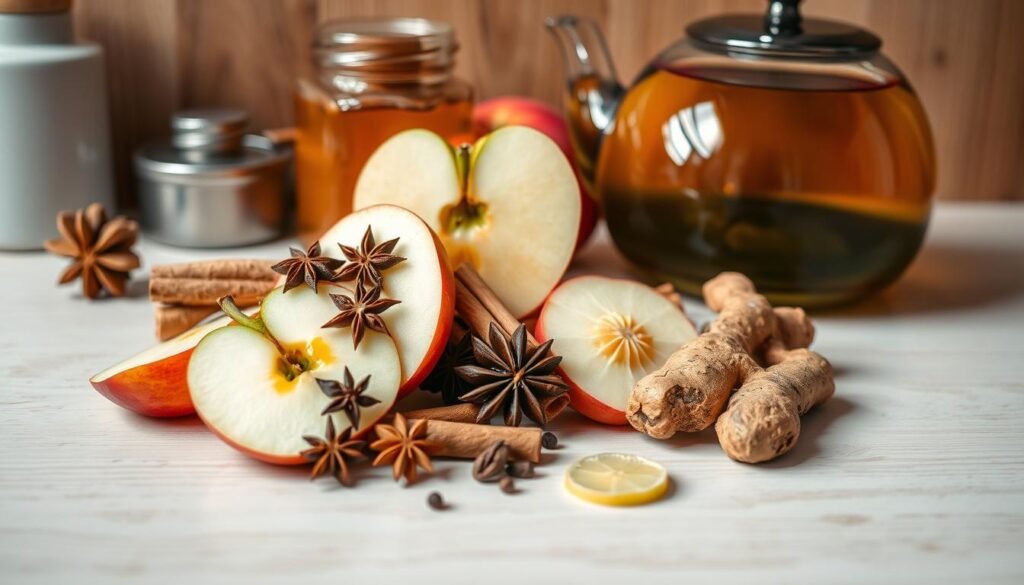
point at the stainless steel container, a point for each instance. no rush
(212, 185)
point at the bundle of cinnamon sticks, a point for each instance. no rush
(185, 294)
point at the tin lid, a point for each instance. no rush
(209, 130)
(209, 142)
(783, 32)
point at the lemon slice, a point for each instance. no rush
(616, 479)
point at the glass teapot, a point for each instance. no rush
(785, 148)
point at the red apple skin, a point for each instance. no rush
(580, 401)
(444, 322)
(159, 389)
(494, 113)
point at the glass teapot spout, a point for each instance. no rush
(592, 87)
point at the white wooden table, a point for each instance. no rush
(914, 472)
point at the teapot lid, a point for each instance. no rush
(783, 32)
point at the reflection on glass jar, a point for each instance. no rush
(370, 79)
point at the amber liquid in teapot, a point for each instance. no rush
(819, 192)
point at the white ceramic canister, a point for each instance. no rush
(54, 126)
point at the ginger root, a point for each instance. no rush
(690, 391)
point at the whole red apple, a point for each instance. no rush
(494, 113)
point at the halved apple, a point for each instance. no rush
(509, 204)
(489, 115)
(424, 284)
(259, 392)
(153, 382)
(610, 333)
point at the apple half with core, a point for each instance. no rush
(153, 383)
(610, 333)
(255, 386)
(424, 284)
(509, 204)
(489, 115)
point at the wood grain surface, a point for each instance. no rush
(912, 473)
(966, 59)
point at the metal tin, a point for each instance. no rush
(211, 185)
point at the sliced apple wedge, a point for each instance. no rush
(153, 383)
(423, 283)
(509, 204)
(610, 333)
(259, 392)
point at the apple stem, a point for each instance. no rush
(462, 160)
(227, 304)
(292, 365)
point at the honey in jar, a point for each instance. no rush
(370, 79)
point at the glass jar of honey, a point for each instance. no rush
(369, 79)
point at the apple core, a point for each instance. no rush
(622, 340)
(297, 359)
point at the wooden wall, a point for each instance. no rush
(965, 58)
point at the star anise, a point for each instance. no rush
(361, 311)
(443, 378)
(347, 396)
(101, 249)
(511, 375)
(403, 447)
(310, 267)
(365, 263)
(331, 454)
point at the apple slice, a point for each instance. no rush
(238, 382)
(424, 284)
(610, 333)
(153, 383)
(509, 204)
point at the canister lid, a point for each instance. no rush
(209, 130)
(783, 32)
(209, 142)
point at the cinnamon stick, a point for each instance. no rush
(487, 300)
(466, 412)
(173, 320)
(205, 292)
(466, 441)
(230, 269)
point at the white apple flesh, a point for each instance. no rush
(510, 205)
(424, 284)
(610, 333)
(239, 388)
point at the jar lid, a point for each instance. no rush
(783, 32)
(387, 50)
